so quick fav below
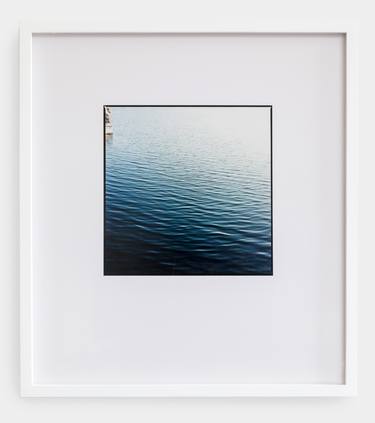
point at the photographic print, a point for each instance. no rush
(187, 190)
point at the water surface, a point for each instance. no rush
(188, 191)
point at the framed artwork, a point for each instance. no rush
(188, 210)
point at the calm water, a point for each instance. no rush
(188, 191)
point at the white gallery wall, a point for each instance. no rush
(16, 409)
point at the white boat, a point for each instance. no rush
(108, 121)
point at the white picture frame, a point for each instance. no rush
(31, 389)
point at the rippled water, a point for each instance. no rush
(188, 191)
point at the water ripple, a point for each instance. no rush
(178, 203)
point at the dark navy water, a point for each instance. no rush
(188, 191)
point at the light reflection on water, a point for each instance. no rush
(188, 191)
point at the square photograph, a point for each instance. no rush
(187, 190)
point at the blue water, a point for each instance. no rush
(188, 192)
